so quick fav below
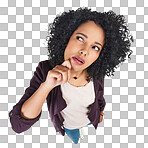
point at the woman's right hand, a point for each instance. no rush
(60, 74)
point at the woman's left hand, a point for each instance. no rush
(101, 117)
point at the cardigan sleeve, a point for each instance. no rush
(18, 123)
(101, 100)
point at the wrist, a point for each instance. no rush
(46, 86)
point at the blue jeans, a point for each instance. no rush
(73, 134)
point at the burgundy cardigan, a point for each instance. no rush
(55, 102)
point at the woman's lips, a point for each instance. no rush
(77, 61)
(80, 59)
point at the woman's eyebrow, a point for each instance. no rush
(87, 37)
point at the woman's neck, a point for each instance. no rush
(77, 74)
(80, 81)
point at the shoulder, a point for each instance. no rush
(45, 65)
(100, 83)
(43, 68)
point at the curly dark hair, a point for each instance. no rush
(117, 39)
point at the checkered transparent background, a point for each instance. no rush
(23, 31)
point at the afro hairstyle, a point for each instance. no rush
(117, 39)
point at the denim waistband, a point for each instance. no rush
(89, 123)
(74, 129)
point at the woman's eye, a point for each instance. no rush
(78, 37)
(97, 48)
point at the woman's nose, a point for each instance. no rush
(85, 50)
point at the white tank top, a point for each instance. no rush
(77, 100)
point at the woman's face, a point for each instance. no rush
(86, 42)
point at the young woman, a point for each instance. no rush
(83, 47)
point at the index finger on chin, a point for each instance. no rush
(67, 63)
